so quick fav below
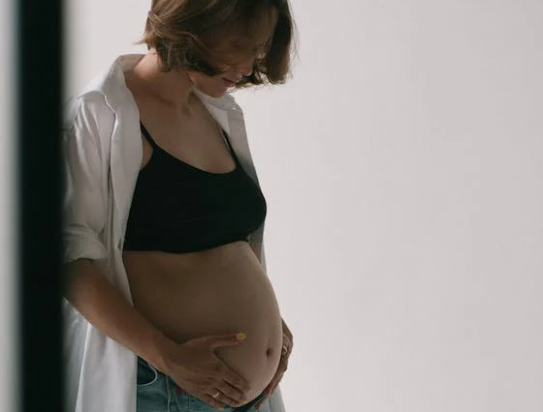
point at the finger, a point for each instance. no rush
(232, 378)
(229, 395)
(275, 383)
(283, 364)
(224, 373)
(268, 392)
(212, 401)
(260, 402)
(271, 387)
(231, 339)
(287, 339)
(284, 350)
(223, 399)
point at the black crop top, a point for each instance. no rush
(178, 208)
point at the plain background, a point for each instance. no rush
(403, 169)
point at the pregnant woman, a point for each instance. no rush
(168, 305)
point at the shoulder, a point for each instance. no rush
(88, 117)
(88, 104)
(104, 96)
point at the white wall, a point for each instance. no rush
(403, 168)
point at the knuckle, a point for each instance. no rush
(240, 384)
(234, 403)
(237, 395)
(229, 393)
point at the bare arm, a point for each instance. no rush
(193, 364)
(106, 308)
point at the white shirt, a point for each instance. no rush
(103, 154)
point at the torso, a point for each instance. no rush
(215, 291)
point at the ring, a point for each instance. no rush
(216, 395)
(285, 349)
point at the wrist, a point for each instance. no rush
(163, 348)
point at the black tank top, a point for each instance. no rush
(178, 208)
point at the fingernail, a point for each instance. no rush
(241, 336)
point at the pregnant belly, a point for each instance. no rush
(219, 291)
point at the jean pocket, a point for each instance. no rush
(147, 375)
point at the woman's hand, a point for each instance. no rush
(195, 367)
(286, 350)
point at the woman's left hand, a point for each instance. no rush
(286, 350)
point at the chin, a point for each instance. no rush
(213, 92)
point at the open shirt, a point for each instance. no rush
(102, 158)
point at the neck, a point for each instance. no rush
(173, 88)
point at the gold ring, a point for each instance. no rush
(285, 349)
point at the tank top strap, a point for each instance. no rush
(225, 136)
(148, 136)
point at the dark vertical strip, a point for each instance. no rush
(39, 68)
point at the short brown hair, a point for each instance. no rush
(184, 32)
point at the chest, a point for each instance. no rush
(194, 138)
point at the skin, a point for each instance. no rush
(177, 86)
(288, 343)
(174, 91)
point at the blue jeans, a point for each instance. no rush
(157, 392)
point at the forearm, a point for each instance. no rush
(108, 310)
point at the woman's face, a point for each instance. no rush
(240, 63)
(217, 86)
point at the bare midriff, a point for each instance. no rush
(218, 291)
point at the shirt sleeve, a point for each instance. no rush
(84, 136)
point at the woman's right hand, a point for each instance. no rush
(196, 368)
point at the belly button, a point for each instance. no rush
(269, 351)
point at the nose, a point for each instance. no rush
(245, 68)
